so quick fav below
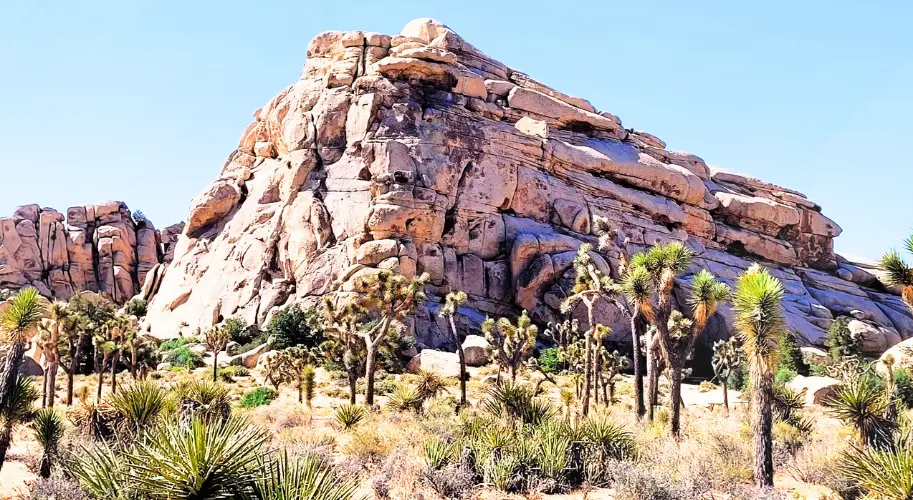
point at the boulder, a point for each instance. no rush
(902, 354)
(443, 363)
(251, 358)
(475, 350)
(817, 390)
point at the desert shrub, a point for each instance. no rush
(239, 331)
(738, 377)
(170, 345)
(229, 373)
(903, 387)
(137, 307)
(349, 415)
(549, 360)
(841, 342)
(405, 398)
(883, 473)
(790, 354)
(367, 445)
(385, 385)
(185, 358)
(293, 327)
(452, 481)
(706, 386)
(258, 397)
(636, 481)
(57, 487)
(784, 374)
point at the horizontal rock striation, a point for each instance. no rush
(419, 153)
(100, 248)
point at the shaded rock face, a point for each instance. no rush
(418, 153)
(100, 248)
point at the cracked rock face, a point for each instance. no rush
(99, 248)
(418, 153)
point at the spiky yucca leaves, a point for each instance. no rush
(760, 322)
(439, 453)
(215, 339)
(304, 477)
(727, 356)
(405, 398)
(393, 297)
(349, 415)
(309, 378)
(18, 323)
(47, 427)
(509, 344)
(860, 402)
(452, 302)
(706, 294)
(899, 273)
(101, 472)
(430, 384)
(518, 402)
(886, 474)
(202, 399)
(19, 409)
(206, 460)
(140, 405)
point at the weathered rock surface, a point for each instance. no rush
(444, 363)
(100, 248)
(475, 350)
(419, 153)
(817, 390)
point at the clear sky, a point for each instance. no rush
(141, 101)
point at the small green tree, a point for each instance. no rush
(509, 344)
(295, 326)
(392, 297)
(727, 357)
(215, 339)
(452, 302)
(88, 312)
(841, 342)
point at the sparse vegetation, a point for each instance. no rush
(258, 397)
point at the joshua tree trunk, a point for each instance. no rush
(675, 397)
(44, 386)
(215, 366)
(372, 343)
(44, 467)
(50, 386)
(5, 434)
(725, 396)
(611, 393)
(11, 371)
(114, 362)
(638, 374)
(459, 347)
(300, 389)
(588, 358)
(651, 370)
(762, 421)
(597, 374)
(133, 361)
(353, 384)
(101, 378)
(74, 361)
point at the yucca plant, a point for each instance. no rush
(47, 427)
(203, 399)
(430, 384)
(101, 472)
(760, 322)
(439, 453)
(282, 477)
(519, 403)
(207, 460)
(308, 383)
(899, 273)
(349, 415)
(405, 398)
(140, 405)
(860, 402)
(885, 474)
(19, 409)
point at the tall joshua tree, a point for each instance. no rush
(638, 288)
(393, 297)
(341, 322)
(215, 339)
(51, 330)
(510, 344)
(760, 322)
(452, 302)
(590, 286)
(899, 273)
(18, 322)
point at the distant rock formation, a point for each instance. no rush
(100, 248)
(419, 153)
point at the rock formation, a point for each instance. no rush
(101, 248)
(419, 153)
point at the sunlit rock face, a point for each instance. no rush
(418, 153)
(100, 248)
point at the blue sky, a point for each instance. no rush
(142, 100)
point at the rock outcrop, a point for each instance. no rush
(419, 153)
(100, 248)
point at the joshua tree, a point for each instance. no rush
(109, 342)
(394, 297)
(612, 364)
(18, 321)
(298, 365)
(637, 285)
(899, 273)
(50, 332)
(19, 409)
(308, 377)
(48, 429)
(510, 344)
(452, 302)
(590, 286)
(341, 323)
(88, 312)
(215, 339)
(727, 356)
(760, 322)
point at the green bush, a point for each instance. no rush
(239, 331)
(258, 397)
(137, 307)
(230, 372)
(738, 378)
(184, 357)
(784, 374)
(170, 345)
(791, 355)
(841, 342)
(903, 387)
(293, 327)
(549, 360)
